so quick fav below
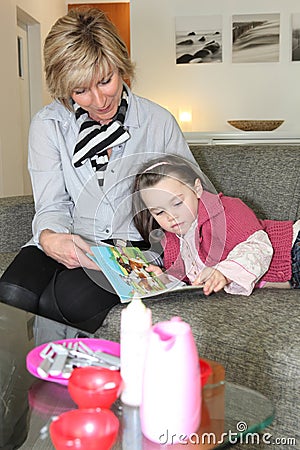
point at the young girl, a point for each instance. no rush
(210, 239)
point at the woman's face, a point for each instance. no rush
(101, 99)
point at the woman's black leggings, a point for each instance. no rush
(37, 283)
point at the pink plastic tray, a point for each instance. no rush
(33, 358)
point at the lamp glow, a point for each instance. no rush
(185, 116)
(185, 119)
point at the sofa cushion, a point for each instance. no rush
(272, 190)
(5, 259)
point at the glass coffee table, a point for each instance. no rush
(230, 413)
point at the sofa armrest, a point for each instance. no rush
(16, 214)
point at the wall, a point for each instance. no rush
(217, 92)
(214, 92)
(11, 170)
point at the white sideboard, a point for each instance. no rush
(248, 137)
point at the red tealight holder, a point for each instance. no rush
(205, 371)
(84, 429)
(94, 387)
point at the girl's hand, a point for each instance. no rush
(211, 279)
(159, 273)
(155, 269)
(67, 249)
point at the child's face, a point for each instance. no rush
(173, 204)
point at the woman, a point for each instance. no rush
(84, 150)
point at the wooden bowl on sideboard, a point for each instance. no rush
(256, 125)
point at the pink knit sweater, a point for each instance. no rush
(224, 222)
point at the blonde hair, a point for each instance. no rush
(81, 45)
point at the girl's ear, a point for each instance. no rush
(198, 187)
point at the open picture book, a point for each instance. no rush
(125, 269)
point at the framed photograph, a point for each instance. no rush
(198, 39)
(255, 38)
(296, 37)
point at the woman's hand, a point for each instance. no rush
(67, 249)
(211, 279)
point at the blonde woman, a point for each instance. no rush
(84, 150)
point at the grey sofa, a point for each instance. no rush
(256, 338)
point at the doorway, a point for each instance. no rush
(29, 82)
(118, 13)
(24, 96)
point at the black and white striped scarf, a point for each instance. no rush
(94, 139)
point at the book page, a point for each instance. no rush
(125, 269)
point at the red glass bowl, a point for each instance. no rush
(94, 387)
(205, 371)
(84, 429)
